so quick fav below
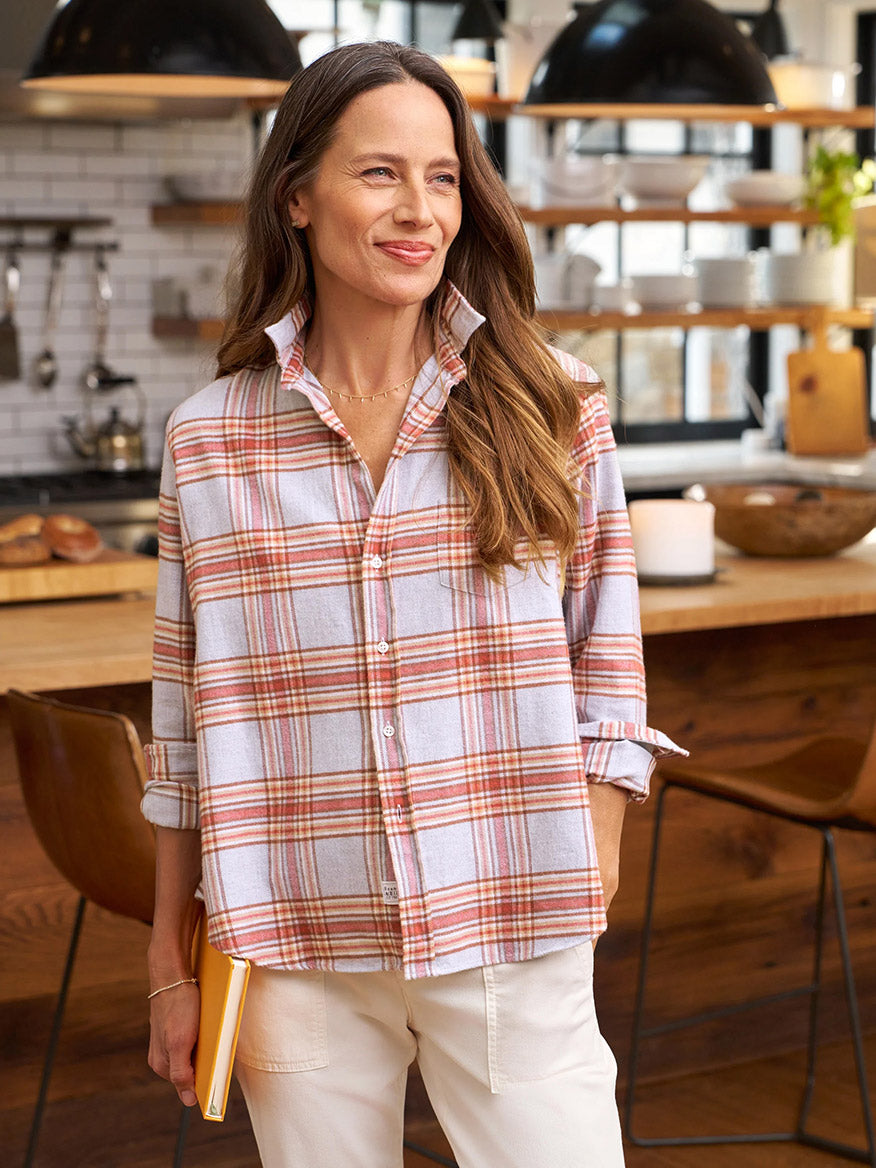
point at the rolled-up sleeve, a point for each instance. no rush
(171, 795)
(601, 605)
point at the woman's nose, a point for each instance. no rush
(413, 204)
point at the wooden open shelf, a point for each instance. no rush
(757, 319)
(206, 214)
(224, 214)
(764, 216)
(862, 118)
(496, 108)
(182, 328)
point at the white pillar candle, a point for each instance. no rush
(673, 537)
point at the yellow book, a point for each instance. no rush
(222, 981)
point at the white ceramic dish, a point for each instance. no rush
(573, 180)
(474, 76)
(665, 293)
(808, 85)
(765, 187)
(728, 281)
(800, 278)
(661, 178)
(613, 297)
(565, 280)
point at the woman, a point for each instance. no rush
(399, 702)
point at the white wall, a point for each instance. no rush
(52, 168)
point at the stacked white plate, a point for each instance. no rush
(729, 281)
(807, 277)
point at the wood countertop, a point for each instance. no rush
(751, 590)
(72, 644)
(79, 643)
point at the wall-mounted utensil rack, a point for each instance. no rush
(59, 233)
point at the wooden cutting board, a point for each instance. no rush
(112, 572)
(827, 398)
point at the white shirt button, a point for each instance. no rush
(382, 646)
(388, 731)
(377, 562)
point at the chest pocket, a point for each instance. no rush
(459, 565)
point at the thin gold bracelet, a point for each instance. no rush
(173, 985)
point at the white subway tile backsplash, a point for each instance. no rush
(33, 162)
(80, 136)
(25, 190)
(114, 172)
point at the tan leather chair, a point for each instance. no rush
(82, 773)
(830, 782)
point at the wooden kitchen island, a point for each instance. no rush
(772, 652)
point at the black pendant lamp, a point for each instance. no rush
(769, 34)
(165, 48)
(478, 21)
(651, 51)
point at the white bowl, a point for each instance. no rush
(220, 186)
(661, 178)
(728, 281)
(665, 293)
(808, 277)
(473, 75)
(573, 180)
(765, 187)
(807, 85)
(613, 297)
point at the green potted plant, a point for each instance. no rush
(835, 178)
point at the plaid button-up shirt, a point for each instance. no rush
(387, 753)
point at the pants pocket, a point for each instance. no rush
(284, 1021)
(541, 1019)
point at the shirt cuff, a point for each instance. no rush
(171, 795)
(624, 753)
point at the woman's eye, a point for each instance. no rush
(378, 172)
(449, 180)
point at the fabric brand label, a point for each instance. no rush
(390, 892)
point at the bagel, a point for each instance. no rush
(71, 538)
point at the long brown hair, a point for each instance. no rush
(512, 421)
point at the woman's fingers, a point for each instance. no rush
(174, 1032)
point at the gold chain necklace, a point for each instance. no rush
(356, 396)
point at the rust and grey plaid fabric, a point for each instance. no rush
(386, 752)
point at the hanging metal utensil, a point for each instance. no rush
(10, 364)
(98, 375)
(46, 364)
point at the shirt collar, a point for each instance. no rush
(456, 324)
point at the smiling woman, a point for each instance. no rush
(398, 687)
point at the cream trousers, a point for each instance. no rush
(511, 1056)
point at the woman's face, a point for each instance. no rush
(385, 205)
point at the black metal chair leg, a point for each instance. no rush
(49, 1060)
(814, 1002)
(867, 1156)
(182, 1132)
(635, 1041)
(435, 1157)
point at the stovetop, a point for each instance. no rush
(42, 490)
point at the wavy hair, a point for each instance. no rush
(512, 422)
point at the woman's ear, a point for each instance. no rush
(297, 212)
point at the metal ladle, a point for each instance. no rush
(98, 375)
(46, 364)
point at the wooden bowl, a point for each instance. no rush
(791, 520)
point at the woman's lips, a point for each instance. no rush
(413, 254)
